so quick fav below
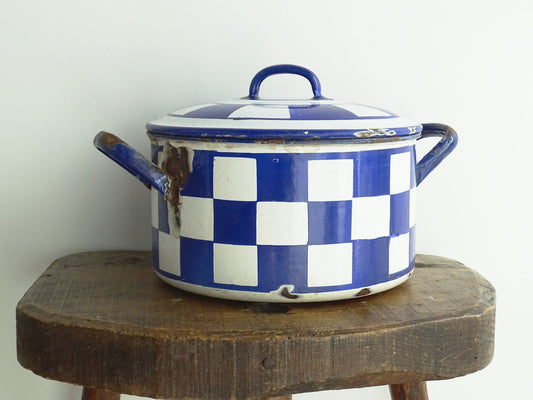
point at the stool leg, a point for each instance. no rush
(409, 391)
(98, 394)
(287, 397)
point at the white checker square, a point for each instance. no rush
(169, 253)
(282, 223)
(398, 253)
(155, 207)
(364, 111)
(187, 110)
(400, 172)
(370, 217)
(329, 265)
(235, 178)
(412, 207)
(196, 215)
(269, 111)
(330, 180)
(235, 264)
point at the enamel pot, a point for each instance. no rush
(283, 200)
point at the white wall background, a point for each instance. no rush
(69, 69)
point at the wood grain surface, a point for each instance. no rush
(103, 319)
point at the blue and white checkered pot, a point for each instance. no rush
(283, 201)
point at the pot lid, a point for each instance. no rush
(255, 119)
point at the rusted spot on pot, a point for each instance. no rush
(273, 141)
(285, 293)
(363, 292)
(110, 140)
(386, 139)
(176, 166)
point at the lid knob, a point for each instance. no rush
(285, 69)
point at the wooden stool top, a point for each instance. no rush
(103, 319)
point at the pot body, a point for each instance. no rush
(283, 200)
(285, 222)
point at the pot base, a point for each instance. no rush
(284, 294)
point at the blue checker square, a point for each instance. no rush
(372, 173)
(322, 112)
(200, 180)
(371, 261)
(235, 222)
(399, 218)
(214, 111)
(196, 261)
(282, 177)
(282, 264)
(330, 222)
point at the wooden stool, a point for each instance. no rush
(103, 320)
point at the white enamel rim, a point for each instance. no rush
(277, 297)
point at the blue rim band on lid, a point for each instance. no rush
(257, 136)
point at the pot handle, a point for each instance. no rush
(132, 161)
(285, 69)
(439, 152)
